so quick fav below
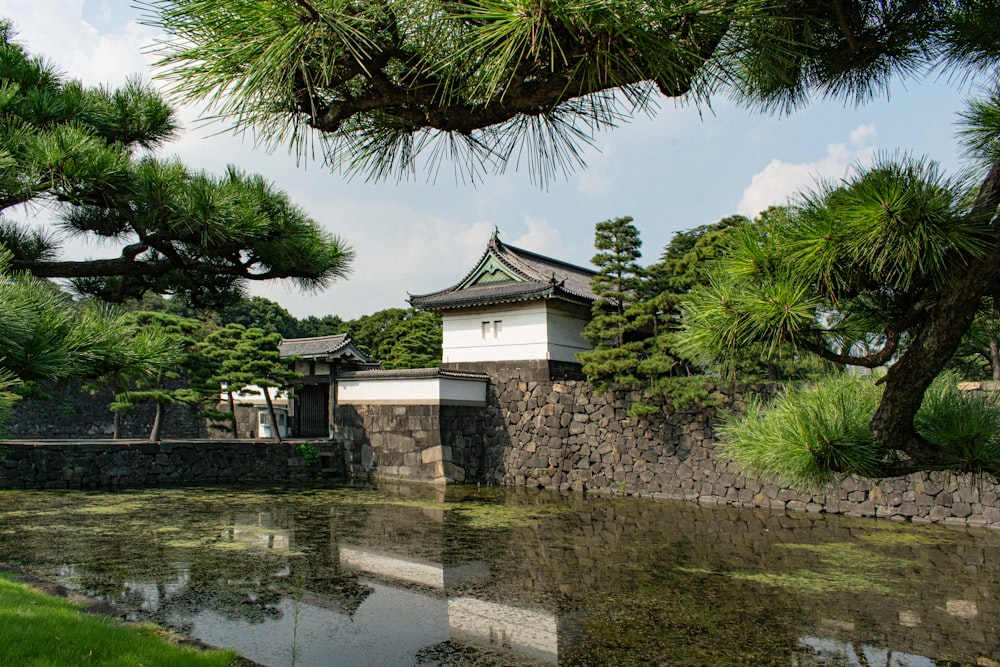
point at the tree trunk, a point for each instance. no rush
(155, 432)
(995, 357)
(270, 410)
(948, 319)
(116, 433)
(232, 412)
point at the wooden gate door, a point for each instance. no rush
(314, 410)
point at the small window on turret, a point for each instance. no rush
(486, 330)
(497, 324)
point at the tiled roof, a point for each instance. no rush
(530, 276)
(326, 347)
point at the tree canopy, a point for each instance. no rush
(888, 267)
(86, 154)
(491, 82)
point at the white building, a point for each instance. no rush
(515, 305)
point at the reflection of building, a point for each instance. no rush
(425, 573)
(257, 530)
(527, 634)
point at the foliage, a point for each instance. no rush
(84, 152)
(44, 335)
(398, 337)
(978, 355)
(810, 433)
(873, 270)
(263, 314)
(327, 325)
(256, 362)
(310, 455)
(393, 85)
(8, 397)
(687, 259)
(635, 335)
(965, 425)
(616, 323)
(176, 361)
(220, 369)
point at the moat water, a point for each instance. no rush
(358, 576)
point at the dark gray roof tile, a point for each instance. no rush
(336, 346)
(538, 277)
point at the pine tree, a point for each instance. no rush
(615, 328)
(218, 351)
(256, 361)
(175, 365)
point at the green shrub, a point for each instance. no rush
(964, 423)
(309, 453)
(811, 433)
(808, 433)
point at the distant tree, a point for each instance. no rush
(418, 343)
(688, 263)
(398, 337)
(177, 363)
(617, 326)
(158, 303)
(686, 260)
(328, 325)
(256, 362)
(258, 312)
(220, 370)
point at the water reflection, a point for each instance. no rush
(415, 576)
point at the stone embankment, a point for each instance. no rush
(560, 434)
(117, 463)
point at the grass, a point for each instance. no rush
(38, 630)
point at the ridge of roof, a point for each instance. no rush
(317, 346)
(534, 268)
(340, 337)
(549, 260)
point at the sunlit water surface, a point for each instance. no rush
(358, 576)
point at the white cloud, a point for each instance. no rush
(780, 180)
(541, 237)
(863, 134)
(57, 29)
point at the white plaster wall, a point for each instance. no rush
(253, 394)
(419, 391)
(566, 334)
(534, 330)
(522, 334)
(320, 368)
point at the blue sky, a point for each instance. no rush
(676, 171)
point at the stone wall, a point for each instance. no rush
(70, 412)
(422, 443)
(101, 464)
(559, 434)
